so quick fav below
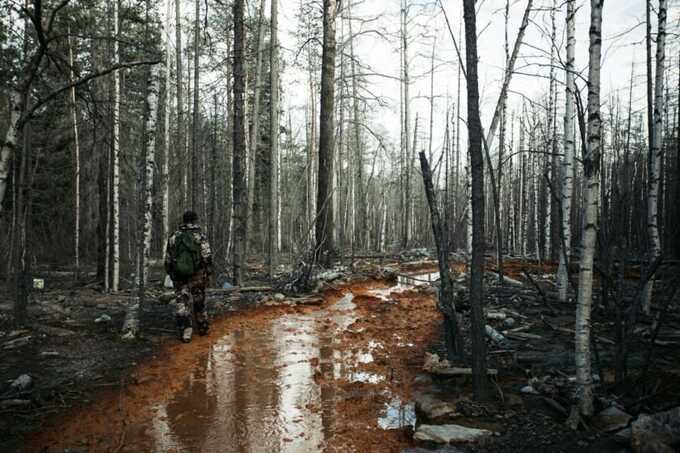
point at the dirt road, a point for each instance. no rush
(287, 378)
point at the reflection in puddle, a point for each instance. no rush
(262, 391)
(398, 415)
(404, 282)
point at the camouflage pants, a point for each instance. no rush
(190, 300)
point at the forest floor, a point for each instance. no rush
(342, 370)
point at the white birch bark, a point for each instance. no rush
(165, 169)
(133, 315)
(656, 153)
(10, 143)
(584, 379)
(74, 113)
(115, 179)
(568, 160)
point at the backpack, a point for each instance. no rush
(187, 256)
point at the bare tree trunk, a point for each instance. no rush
(454, 341)
(324, 218)
(591, 163)
(195, 121)
(273, 229)
(132, 317)
(240, 193)
(115, 179)
(477, 188)
(76, 144)
(165, 168)
(568, 160)
(656, 152)
(179, 139)
(254, 135)
(406, 125)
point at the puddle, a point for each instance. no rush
(404, 282)
(258, 390)
(268, 384)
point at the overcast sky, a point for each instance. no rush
(623, 32)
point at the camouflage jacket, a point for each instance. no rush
(206, 253)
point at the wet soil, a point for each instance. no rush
(341, 377)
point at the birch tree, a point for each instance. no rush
(591, 170)
(568, 160)
(656, 152)
(115, 178)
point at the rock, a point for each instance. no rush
(446, 434)
(529, 390)
(434, 408)
(279, 297)
(434, 363)
(611, 419)
(61, 299)
(7, 404)
(494, 334)
(656, 433)
(509, 323)
(49, 354)
(623, 436)
(103, 319)
(167, 283)
(22, 383)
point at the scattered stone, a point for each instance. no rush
(529, 390)
(167, 283)
(434, 408)
(623, 436)
(22, 383)
(279, 297)
(446, 434)
(494, 334)
(434, 363)
(611, 419)
(61, 299)
(103, 319)
(12, 403)
(656, 433)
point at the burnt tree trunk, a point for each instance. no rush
(454, 344)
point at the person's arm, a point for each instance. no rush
(206, 255)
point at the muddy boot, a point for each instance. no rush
(186, 335)
(203, 328)
(182, 325)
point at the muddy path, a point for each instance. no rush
(334, 377)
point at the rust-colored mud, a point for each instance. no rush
(329, 378)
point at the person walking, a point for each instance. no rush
(188, 262)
